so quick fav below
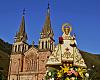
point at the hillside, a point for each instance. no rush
(5, 46)
(5, 50)
(93, 63)
(90, 59)
(4, 63)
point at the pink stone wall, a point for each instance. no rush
(43, 56)
(32, 62)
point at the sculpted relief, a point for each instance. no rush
(30, 62)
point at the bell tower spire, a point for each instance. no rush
(21, 35)
(47, 30)
(20, 44)
(46, 39)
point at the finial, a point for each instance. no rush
(24, 11)
(48, 5)
(48, 12)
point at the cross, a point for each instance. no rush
(48, 5)
(24, 11)
(67, 49)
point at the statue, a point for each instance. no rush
(66, 29)
(66, 52)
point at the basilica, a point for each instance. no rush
(46, 61)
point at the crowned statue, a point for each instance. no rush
(66, 62)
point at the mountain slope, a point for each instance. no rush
(5, 46)
(93, 63)
(4, 63)
(5, 50)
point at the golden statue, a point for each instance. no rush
(66, 28)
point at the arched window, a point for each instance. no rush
(22, 48)
(34, 65)
(30, 65)
(25, 47)
(15, 48)
(42, 45)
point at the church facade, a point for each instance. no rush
(46, 61)
(29, 62)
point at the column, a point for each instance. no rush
(40, 45)
(44, 44)
(21, 48)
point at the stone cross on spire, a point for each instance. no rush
(24, 11)
(48, 9)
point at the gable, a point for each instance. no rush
(31, 51)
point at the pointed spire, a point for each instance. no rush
(47, 30)
(21, 35)
(22, 26)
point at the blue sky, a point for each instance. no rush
(83, 15)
